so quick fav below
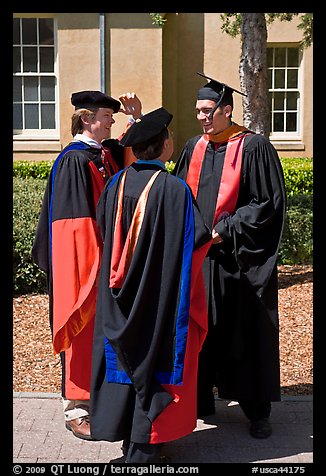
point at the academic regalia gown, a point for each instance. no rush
(151, 316)
(241, 353)
(67, 247)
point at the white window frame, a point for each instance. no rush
(296, 136)
(43, 134)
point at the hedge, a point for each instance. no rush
(27, 201)
(29, 185)
(298, 176)
(298, 173)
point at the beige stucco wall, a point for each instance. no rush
(133, 61)
(160, 65)
(78, 62)
(222, 62)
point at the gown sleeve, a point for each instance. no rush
(255, 229)
(75, 249)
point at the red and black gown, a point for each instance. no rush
(68, 248)
(151, 316)
(241, 352)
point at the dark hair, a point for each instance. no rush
(227, 99)
(151, 148)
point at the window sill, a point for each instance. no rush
(36, 146)
(288, 145)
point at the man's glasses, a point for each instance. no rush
(205, 112)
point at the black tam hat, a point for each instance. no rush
(215, 91)
(147, 127)
(94, 99)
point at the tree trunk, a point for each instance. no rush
(253, 73)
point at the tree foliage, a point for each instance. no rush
(231, 23)
(157, 19)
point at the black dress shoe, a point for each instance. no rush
(260, 428)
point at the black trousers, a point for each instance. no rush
(143, 453)
(255, 410)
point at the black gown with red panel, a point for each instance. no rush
(241, 352)
(151, 316)
(67, 247)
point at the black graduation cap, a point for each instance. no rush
(94, 99)
(147, 127)
(215, 90)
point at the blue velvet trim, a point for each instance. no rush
(112, 372)
(184, 303)
(115, 177)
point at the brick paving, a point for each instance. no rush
(39, 436)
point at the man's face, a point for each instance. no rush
(101, 125)
(218, 123)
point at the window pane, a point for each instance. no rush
(47, 116)
(47, 60)
(16, 31)
(30, 60)
(269, 78)
(280, 56)
(279, 122)
(279, 101)
(17, 88)
(292, 101)
(270, 57)
(292, 79)
(293, 57)
(291, 122)
(47, 89)
(46, 31)
(34, 80)
(31, 89)
(31, 116)
(279, 79)
(29, 31)
(17, 116)
(16, 60)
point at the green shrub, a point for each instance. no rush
(170, 166)
(298, 175)
(28, 168)
(297, 240)
(27, 200)
(298, 172)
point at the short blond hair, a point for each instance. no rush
(76, 122)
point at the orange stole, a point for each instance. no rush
(122, 252)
